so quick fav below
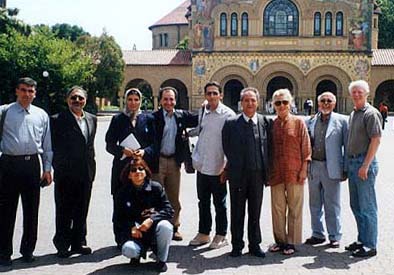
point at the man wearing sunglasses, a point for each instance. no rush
(25, 134)
(328, 133)
(73, 133)
(209, 161)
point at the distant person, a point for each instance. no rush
(73, 133)
(209, 161)
(308, 105)
(131, 121)
(328, 132)
(365, 131)
(142, 214)
(384, 111)
(25, 138)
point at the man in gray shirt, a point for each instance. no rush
(209, 161)
(25, 136)
(365, 131)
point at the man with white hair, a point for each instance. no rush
(328, 132)
(365, 131)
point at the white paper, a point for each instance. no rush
(131, 143)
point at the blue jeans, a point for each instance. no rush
(326, 192)
(208, 186)
(363, 201)
(164, 231)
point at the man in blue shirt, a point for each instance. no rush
(25, 136)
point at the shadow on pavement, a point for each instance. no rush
(99, 255)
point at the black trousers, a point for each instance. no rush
(20, 176)
(251, 190)
(72, 198)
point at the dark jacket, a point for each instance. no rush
(233, 139)
(120, 128)
(73, 157)
(184, 119)
(130, 202)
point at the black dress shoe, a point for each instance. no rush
(134, 262)
(161, 267)
(28, 258)
(363, 253)
(83, 250)
(5, 261)
(353, 246)
(236, 253)
(334, 244)
(63, 254)
(314, 240)
(257, 252)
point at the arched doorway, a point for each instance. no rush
(385, 93)
(146, 90)
(183, 99)
(326, 86)
(232, 90)
(278, 82)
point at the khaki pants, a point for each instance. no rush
(287, 198)
(169, 177)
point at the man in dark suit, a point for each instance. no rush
(169, 148)
(245, 144)
(74, 166)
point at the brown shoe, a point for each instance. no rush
(177, 236)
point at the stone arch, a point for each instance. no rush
(183, 98)
(146, 89)
(232, 86)
(242, 73)
(385, 93)
(334, 74)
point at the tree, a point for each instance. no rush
(386, 24)
(106, 55)
(66, 31)
(183, 44)
(8, 22)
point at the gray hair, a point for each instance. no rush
(359, 84)
(79, 88)
(327, 94)
(247, 89)
(282, 92)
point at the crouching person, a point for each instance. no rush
(143, 214)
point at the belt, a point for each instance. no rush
(355, 156)
(167, 156)
(20, 158)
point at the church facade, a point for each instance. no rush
(307, 46)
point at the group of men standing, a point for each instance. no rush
(229, 147)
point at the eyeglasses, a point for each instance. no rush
(75, 97)
(280, 102)
(137, 169)
(326, 101)
(212, 93)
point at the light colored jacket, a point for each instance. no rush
(336, 140)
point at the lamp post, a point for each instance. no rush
(45, 98)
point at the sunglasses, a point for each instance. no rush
(325, 101)
(137, 169)
(77, 97)
(280, 102)
(27, 90)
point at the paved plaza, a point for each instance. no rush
(188, 260)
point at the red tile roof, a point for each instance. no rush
(383, 57)
(177, 16)
(158, 57)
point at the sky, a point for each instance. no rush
(126, 20)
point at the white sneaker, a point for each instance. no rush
(200, 239)
(218, 242)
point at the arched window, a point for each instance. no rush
(317, 26)
(223, 24)
(234, 24)
(339, 24)
(281, 18)
(245, 24)
(328, 28)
